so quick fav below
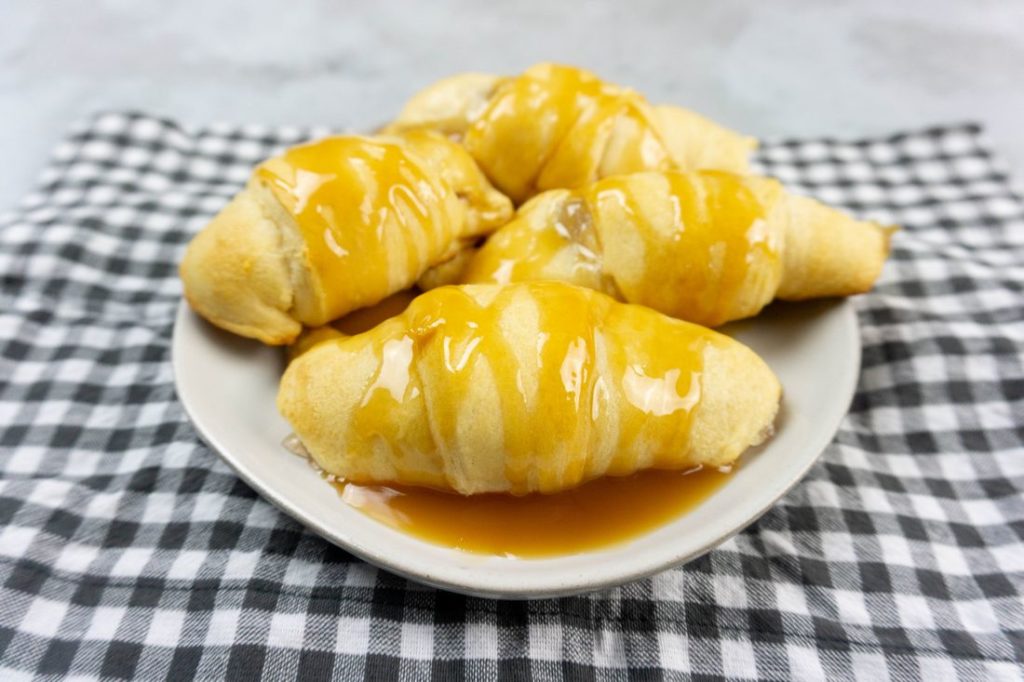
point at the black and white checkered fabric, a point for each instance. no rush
(127, 549)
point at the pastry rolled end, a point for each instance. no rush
(828, 253)
(739, 402)
(236, 276)
(447, 105)
(695, 142)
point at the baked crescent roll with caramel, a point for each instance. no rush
(530, 387)
(556, 127)
(336, 225)
(704, 246)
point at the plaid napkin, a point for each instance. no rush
(128, 549)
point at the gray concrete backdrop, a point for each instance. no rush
(770, 68)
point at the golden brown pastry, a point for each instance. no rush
(336, 225)
(555, 127)
(704, 246)
(531, 387)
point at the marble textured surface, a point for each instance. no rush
(785, 68)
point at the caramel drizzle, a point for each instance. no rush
(603, 388)
(371, 216)
(550, 128)
(686, 250)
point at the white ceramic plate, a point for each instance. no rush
(228, 386)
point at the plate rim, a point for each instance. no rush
(847, 317)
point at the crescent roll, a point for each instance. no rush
(555, 127)
(530, 387)
(336, 225)
(704, 246)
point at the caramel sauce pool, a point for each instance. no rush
(604, 512)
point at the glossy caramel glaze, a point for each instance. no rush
(458, 333)
(375, 213)
(551, 127)
(701, 246)
(552, 237)
(534, 387)
(603, 512)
